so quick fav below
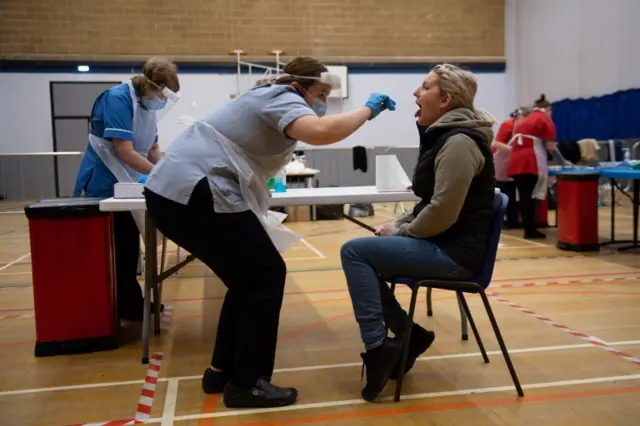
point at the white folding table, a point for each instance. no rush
(292, 197)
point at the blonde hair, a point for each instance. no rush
(462, 86)
(157, 71)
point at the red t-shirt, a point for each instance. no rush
(504, 132)
(523, 158)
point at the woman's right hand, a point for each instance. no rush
(379, 102)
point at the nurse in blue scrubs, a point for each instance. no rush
(123, 147)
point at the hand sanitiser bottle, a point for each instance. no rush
(281, 182)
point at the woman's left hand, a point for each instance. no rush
(386, 230)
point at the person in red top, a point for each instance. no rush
(501, 152)
(533, 137)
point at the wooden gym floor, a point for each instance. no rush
(570, 321)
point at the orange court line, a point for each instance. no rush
(337, 290)
(444, 407)
(210, 405)
(540, 293)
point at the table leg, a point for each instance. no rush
(163, 258)
(149, 236)
(153, 264)
(613, 209)
(636, 201)
(309, 184)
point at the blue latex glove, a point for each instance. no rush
(379, 102)
(143, 179)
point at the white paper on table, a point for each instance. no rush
(390, 176)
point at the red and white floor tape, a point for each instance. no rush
(165, 317)
(17, 316)
(590, 339)
(630, 277)
(143, 411)
(148, 389)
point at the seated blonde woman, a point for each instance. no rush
(446, 233)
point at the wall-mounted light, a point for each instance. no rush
(83, 68)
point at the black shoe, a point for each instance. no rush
(534, 235)
(379, 363)
(420, 341)
(213, 381)
(262, 395)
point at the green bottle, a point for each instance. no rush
(271, 184)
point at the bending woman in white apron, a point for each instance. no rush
(209, 195)
(534, 137)
(123, 147)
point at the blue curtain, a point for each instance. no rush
(613, 116)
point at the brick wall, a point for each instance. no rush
(399, 30)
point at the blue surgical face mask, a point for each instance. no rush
(319, 107)
(154, 104)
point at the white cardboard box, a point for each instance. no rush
(128, 190)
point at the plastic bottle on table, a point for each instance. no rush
(281, 182)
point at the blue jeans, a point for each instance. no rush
(366, 260)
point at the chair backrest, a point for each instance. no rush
(500, 202)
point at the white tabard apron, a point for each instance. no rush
(253, 173)
(540, 190)
(143, 137)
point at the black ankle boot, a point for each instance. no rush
(534, 235)
(379, 363)
(213, 381)
(420, 341)
(262, 395)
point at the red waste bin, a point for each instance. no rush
(577, 210)
(73, 273)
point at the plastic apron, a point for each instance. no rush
(501, 162)
(253, 173)
(540, 190)
(143, 137)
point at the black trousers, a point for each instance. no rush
(509, 189)
(238, 249)
(525, 185)
(395, 317)
(127, 252)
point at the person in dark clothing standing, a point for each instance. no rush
(446, 233)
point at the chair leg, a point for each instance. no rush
(463, 321)
(503, 347)
(429, 302)
(463, 301)
(405, 344)
(393, 289)
(163, 257)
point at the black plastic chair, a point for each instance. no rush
(475, 285)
